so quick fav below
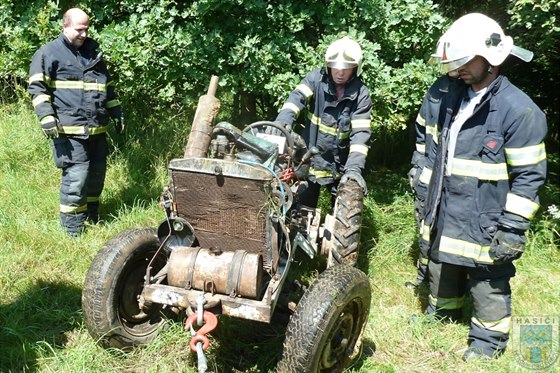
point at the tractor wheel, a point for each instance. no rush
(348, 224)
(113, 283)
(324, 334)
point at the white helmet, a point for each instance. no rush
(473, 35)
(436, 56)
(344, 53)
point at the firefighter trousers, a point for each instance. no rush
(491, 295)
(83, 163)
(309, 192)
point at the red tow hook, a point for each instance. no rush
(210, 323)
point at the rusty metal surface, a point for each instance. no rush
(229, 168)
(227, 212)
(234, 273)
(236, 307)
(203, 122)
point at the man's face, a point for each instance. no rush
(77, 30)
(475, 73)
(341, 76)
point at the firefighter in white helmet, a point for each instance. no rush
(484, 175)
(338, 106)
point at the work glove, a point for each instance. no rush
(507, 245)
(51, 129)
(119, 124)
(356, 175)
(270, 130)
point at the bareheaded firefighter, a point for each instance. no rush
(482, 175)
(74, 98)
(337, 107)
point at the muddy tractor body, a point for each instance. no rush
(232, 226)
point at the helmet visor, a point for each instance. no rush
(522, 53)
(341, 60)
(447, 65)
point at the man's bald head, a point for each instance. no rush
(75, 24)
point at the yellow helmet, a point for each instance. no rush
(344, 53)
(473, 35)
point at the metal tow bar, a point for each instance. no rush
(199, 341)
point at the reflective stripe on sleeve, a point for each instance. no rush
(307, 92)
(359, 148)
(431, 130)
(41, 99)
(361, 123)
(425, 176)
(521, 206)
(421, 148)
(290, 106)
(525, 156)
(420, 121)
(425, 232)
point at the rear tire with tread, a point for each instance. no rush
(348, 223)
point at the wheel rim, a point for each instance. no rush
(342, 337)
(133, 319)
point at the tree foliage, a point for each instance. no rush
(163, 52)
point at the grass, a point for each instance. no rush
(42, 271)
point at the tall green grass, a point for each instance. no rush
(42, 270)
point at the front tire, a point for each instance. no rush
(326, 328)
(112, 285)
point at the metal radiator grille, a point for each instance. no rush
(227, 213)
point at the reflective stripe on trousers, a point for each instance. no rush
(491, 296)
(83, 163)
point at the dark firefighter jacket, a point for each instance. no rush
(74, 86)
(498, 167)
(427, 118)
(340, 129)
(426, 130)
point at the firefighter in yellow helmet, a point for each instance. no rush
(483, 178)
(338, 106)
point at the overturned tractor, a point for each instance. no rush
(232, 226)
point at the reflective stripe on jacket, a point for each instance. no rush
(340, 129)
(498, 167)
(82, 97)
(426, 128)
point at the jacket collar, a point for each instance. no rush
(89, 45)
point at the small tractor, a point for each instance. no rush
(233, 224)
